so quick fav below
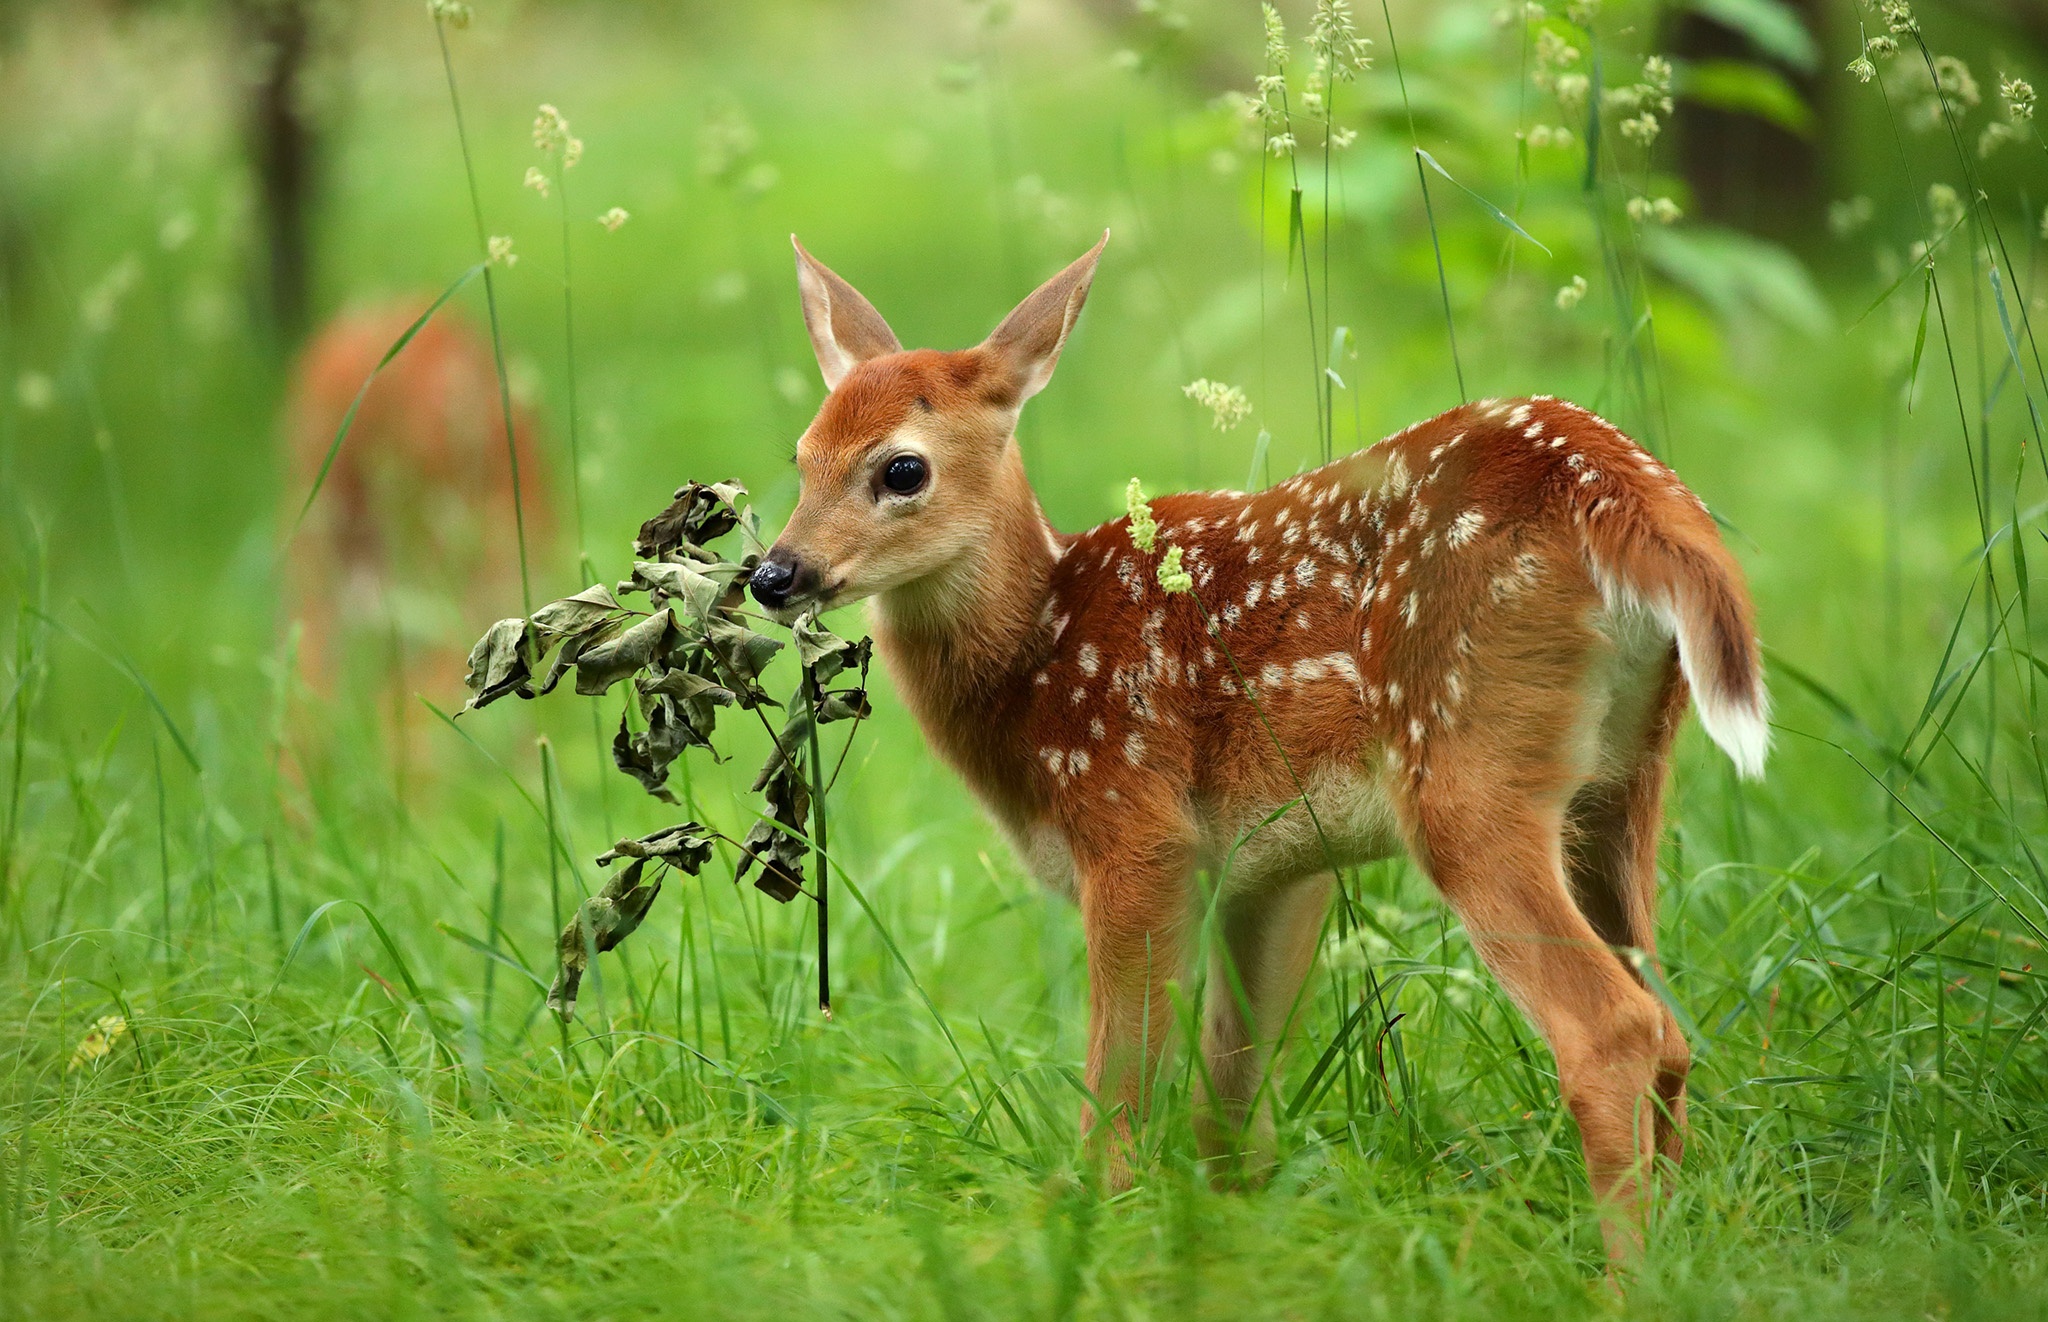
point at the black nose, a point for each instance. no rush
(772, 580)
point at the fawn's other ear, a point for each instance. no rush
(845, 328)
(1028, 343)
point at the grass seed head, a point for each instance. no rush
(499, 251)
(614, 218)
(1144, 528)
(1570, 295)
(2019, 98)
(1227, 404)
(1174, 580)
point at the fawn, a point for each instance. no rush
(1475, 640)
(415, 520)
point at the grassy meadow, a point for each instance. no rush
(326, 919)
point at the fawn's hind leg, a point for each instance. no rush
(1263, 951)
(1611, 837)
(1495, 850)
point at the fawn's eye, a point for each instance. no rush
(905, 475)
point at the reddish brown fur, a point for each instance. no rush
(1453, 639)
(419, 496)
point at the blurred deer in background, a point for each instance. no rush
(1474, 640)
(414, 533)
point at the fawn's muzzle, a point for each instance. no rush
(774, 579)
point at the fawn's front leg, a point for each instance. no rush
(1134, 910)
(1265, 945)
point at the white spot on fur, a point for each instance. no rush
(1091, 660)
(1396, 478)
(1464, 528)
(1134, 748)
(1096, 729)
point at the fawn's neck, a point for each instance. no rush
(962, 642)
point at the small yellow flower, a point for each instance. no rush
(537, 180)
(99, 1040)
(1569, 296)
(614, 218)
(1144, 528)
(1172, 578)
(500, 251)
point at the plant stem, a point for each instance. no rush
(483, 244)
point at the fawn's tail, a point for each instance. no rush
(1656, 549)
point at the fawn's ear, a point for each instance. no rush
(1028, 343)
(845, 328)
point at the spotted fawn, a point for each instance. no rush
(1473, 641)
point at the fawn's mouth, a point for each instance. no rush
(810, 603)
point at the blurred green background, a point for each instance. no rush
(189, 189)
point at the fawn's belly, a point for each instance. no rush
(1346, 817)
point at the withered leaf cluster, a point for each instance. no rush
(611, 915)
(691, 651)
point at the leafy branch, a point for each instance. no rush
(691, 652)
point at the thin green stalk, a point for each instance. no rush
(820, 859)
(483, 244)
(497, 916)
(569, 371)
(1443, 283)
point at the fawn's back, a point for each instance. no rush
(1511, 569)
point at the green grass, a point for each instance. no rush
(387, 1123)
